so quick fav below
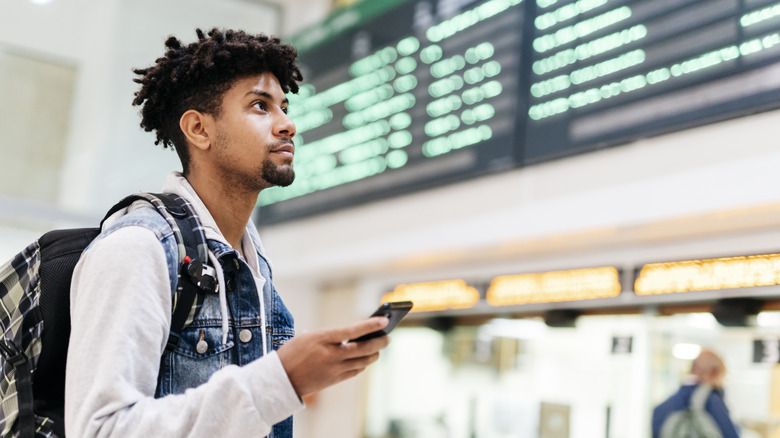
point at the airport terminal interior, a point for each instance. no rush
(578, 196)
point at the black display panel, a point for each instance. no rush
(610, 71)
(423, 94)
(403, 95)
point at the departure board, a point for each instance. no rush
(606, 72)
(403, 95)
(423, 94)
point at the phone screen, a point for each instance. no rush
(394, 311)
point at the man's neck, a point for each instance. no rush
(230, 209)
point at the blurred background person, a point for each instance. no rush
(707, 373)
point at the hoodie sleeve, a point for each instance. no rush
(120, 315)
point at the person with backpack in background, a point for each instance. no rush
(236, 369)
(697, 409)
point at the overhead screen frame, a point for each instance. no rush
(637, 91)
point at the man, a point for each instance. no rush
(707, 369)
(237, 370)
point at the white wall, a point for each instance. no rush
(107, 154)
(106, 140)
(55, 30)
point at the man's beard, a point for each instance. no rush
(277, 175)
(270, 174)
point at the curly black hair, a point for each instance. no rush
(196, 76)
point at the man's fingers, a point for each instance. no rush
(318, 359)
(358, 329)
(360, 349)
(358, 365)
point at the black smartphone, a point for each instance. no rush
(394, 311)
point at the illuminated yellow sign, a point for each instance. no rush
(578, 284)
(435, 295)
(710, 274)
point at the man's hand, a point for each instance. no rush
(318, 359)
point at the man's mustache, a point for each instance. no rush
(283, 142)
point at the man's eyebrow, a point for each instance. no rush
(264, 94)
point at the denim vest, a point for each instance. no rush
(188, 366)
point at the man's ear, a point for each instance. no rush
(196, 127)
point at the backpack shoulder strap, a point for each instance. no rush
(702, 420)
(699, 397)
(179, 214)
(195, 274)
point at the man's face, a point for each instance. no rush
(254, 147)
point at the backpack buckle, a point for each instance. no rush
(203, 276)
(12, 353)
(173, 341)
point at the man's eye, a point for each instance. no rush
(284, 110)
(261, 105)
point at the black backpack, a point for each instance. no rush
(35, 313)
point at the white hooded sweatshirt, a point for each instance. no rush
(118, 315)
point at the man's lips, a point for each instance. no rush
(287, 149)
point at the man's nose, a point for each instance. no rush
(285, 126)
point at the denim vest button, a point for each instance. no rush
(201, 346)
(245, 336)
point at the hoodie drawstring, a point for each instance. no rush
(223, 303)
(222, 297)
(262, 316)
